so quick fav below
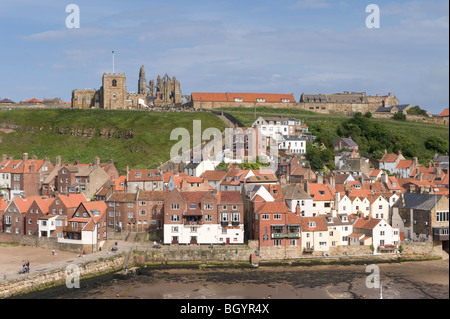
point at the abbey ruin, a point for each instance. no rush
(113, 93)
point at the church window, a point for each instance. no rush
(88, 99)
(79, 98)
(114, 82)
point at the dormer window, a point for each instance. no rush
(312, 224)
(238, 99)
(138, 175)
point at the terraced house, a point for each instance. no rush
(203, 218)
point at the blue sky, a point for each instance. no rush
(284, 46)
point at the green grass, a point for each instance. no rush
(37, 134)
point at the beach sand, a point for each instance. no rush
(11, 257)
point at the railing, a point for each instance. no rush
(191, 222)
(72, 229)
(285, 235)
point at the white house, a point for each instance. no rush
(344, 205)
(297, 199)
(379, 207)
(385, 238)
(361, 204)
(339, 228)
(292, 144)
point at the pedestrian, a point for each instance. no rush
(84, 253)
(53, 252)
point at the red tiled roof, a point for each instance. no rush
(146, 175)
(444, 113)
(375, 173)
(404, 164)
(120, 180)
(214, 175)
(319, 220)
(273, 208)
(390, 158)
(32, 100)
(315, 189)
(229, 197)
(364, 223)
(72, 200)
(246, 97)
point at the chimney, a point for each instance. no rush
(429, 165)
(337, 199)
(297, 209)
(4, 157)
(384, 177)
(97, 161)
(76, 162)
(25, 157)
(58, 160)
(319, 179)
(306, 185)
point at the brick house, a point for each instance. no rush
(203, 218)
(122, 211)
(38, 209)
(276, 226)
(144, 179)
(24, 176)
(150, 209)
(65, 205)
(14, 217)
(87, 226)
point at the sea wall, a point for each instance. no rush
(27, 283)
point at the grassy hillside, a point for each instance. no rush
(410, 137)
(76, 134)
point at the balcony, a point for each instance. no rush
(70, 229)
(235, 223)
(441, 234)
(285, 235)
(192, 223)
(224, 224)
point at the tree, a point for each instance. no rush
(368, 115)
(399, 116)
(437, 144)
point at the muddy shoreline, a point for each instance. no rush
(405, 280)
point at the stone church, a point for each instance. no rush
(113, 93)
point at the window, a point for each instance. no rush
(277, 216)
(142, 212)
(208, 206)
(79, 99)
(208, 218)
(265, 216)
(238, 99)
(442, 216)
(88, 99)
(192, 206)
(285, 100)
(277, 242)
(130, 215)
(380, 207)
(174, 229)
(175, 206)
(312, 224)
(382, 233)
(224, 217)
(174, 218)
(142, 203)
(236, 217)
(114, 82)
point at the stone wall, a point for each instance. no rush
(56, 277)
(19, 106)
(46, 243)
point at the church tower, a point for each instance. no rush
(142, 84)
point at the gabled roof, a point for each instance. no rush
(229, 197)
(320, 192)
(214, 175)
(295, 192)
(364, 223)
(23, 204)
(72, 200)
(389, 158)
(152, 195)
(444, 113)
(418, 201)
(273, 208)
(318, 220)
